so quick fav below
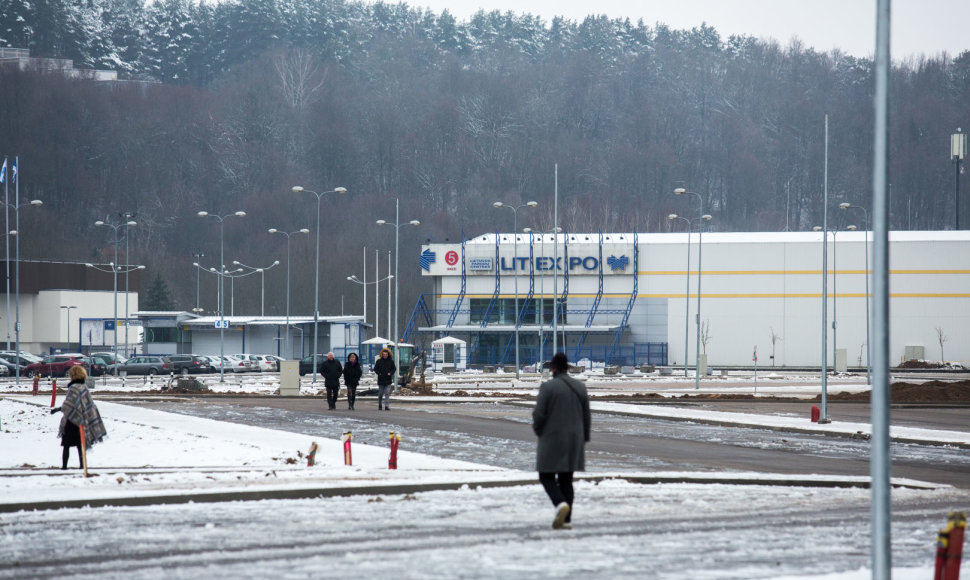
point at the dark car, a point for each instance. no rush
(185, 364)
(96, 365)
(306, 364)
(54, 366)
(146, 365)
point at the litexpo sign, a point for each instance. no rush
(443, 260)
(613, 264)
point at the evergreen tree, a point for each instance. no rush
(158, 298)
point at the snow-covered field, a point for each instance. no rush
(494, 523)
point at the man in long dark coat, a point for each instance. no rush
(561, 419)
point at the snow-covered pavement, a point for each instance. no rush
(483, 522)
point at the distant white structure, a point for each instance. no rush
(622, 297)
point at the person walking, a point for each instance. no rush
(331, 370)
(79, 411)
(384, 368)
(561, 420)
(352, 372)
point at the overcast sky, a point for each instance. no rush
(919, 26)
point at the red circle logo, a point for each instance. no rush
(451, 258)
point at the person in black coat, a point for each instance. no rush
(385, 369)
(331, 371)
(352, 372)
(561, 420)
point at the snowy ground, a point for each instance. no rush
(383, 527)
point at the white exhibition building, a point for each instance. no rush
(632, 299)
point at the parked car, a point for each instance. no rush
(215, 362)
(146, 365)
(185, 364)
(306, 364)
(12, 361)
(237, 364)
(264, 363)
(54, 366)
(109, 357)
(96, 365)
(27, 357)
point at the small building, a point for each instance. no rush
(449, 354)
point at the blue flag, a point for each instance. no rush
(3, 172)
(13, 175)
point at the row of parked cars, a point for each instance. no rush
(98, 364)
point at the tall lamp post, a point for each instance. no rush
(515, 268)
(262, 281)
(14, 232)
(316, 283)
(116, 268)
(701, 217)
(397, 238)
(690, 226)
(845, 206)
(68, 309)
(286, 336)
(365, 283)
(127, 216)
(958, 151)
(222, 294)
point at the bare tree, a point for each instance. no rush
(705, 334)
(774, 339)
(300, 76)
(942, 339)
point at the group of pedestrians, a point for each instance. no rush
(331, 370)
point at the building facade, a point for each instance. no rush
(632, 298)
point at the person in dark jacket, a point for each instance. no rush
(331, 371)
(352, 372)
(561, 420)
(385, 369)
(79, 411)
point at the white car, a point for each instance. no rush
(265, 363)
(214, 361)
(239, 363)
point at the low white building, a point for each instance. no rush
(631, 299)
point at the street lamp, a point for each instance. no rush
(690, 224)
(221, 285)
(286, 337)
(515, 269)
(845, 206)
(68, 309)
(16, 207)
(397, 238)
(127, 216)
(115, 270)
(958, 151)
(835, 295)
(377, 286)
(701, 217)
(316, 284)
(262, 282)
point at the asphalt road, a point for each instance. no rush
(500, 434)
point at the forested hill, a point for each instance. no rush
(387, 100)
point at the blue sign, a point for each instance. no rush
(618, 264)
(427, 258)
(109, 324)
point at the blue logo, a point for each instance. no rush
(427, 258)
(618, 263)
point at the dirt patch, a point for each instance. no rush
(929, 392)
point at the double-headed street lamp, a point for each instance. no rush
(68, 309)
(316, 284)
(262, 282)
(14, 232)
(221, 286)
(701, 217)
(116, 269)
(397, 239)
(286, 336)
(845, 206)
(198, 275)
(515, 269)
(690, 226)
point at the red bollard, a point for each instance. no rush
(816, 413)
(37, 385)
(348, 459)
(395, 441)
(949, 547)
(53, 392)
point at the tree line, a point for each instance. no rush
(230, 105)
